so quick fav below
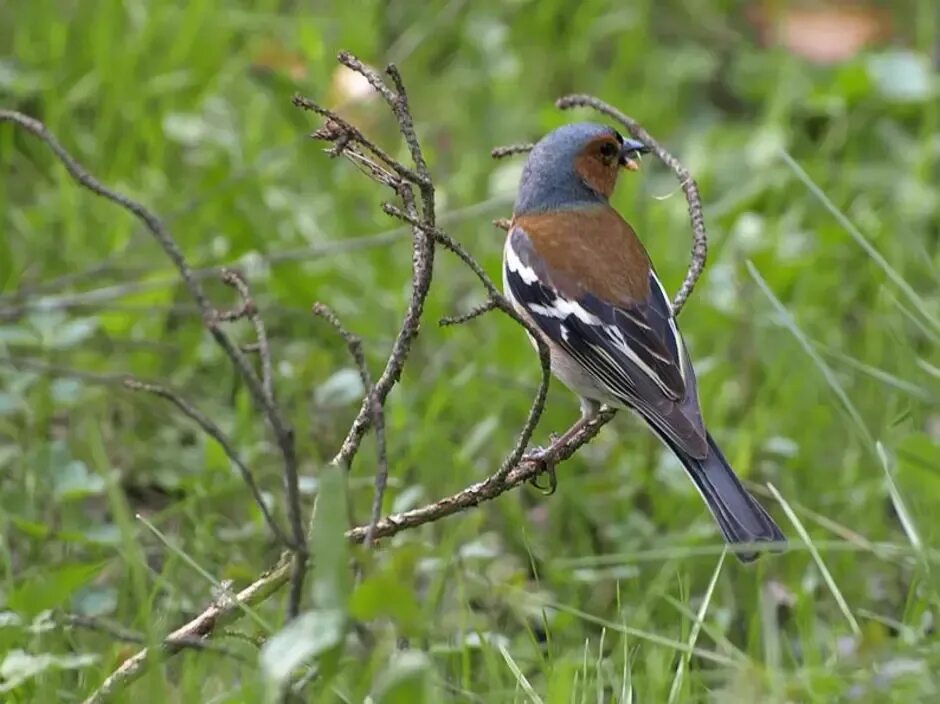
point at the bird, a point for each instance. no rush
(576, 271)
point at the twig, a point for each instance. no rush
(235, 280)
(125, 635)
(218, 614)
(422, 242)
(354, 344)
(689, 187)
(210, 428)
(485, 307)
(511, 150)
(500, 302)
(480, 492)
(283, 433)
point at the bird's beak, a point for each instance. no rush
(630, 151)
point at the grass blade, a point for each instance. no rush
(693, 634)
(827, 575)
(900, 507)
(861, 240)
(520, 678)
(810, 350)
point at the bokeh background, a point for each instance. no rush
(813, 129)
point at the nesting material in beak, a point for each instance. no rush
(629, 151)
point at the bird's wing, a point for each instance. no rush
(633, 349)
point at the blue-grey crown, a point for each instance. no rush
(549, 180)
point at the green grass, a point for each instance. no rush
(814, 332)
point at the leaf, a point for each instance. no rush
(52, 587)
(10, 404)
(902, 76)
(67, 391)
(348, 86)
(331, 578)
(19, 666)
(72, 333)
(17, 335)
(274, 56)
(477, 437)
(189, 129)
(76, 482)
(307, 636)
(96, 601)
(387, 594)
(10, 619)
(340, 389)
(405, 680)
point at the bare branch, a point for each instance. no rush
(250, 310)
(346, 134)
(511, 150)
(283, 433)
(124, 635)
(422, 222)
(221, 612)
(500, 301)
(354, 344)
(480, 492)
(689, 187)
(475, 312)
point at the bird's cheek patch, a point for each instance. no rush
(599, 176)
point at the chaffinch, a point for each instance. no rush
(575, 269)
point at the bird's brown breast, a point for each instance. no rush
(590, 250)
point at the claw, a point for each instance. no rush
(552, 479)
(545, 457)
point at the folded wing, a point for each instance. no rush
(633, 349)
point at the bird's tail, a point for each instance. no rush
(738, 514)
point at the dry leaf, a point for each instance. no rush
(273, 56)
(822, 32)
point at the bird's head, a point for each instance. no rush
(574, 164)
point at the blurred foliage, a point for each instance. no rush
(589, 595)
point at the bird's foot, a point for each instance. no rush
(544, 456)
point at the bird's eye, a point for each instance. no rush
(609, 150)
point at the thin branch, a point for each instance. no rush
(475, 312)
(220, 613)
(339, 130)
(689, 187)
(354, 344)
(210, 428)
(511, 150)
(235, 280)
(500, 302)
(283, 433)
(125, 635)
(346, 133)
(480, 492)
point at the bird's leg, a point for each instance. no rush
(548, 456)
